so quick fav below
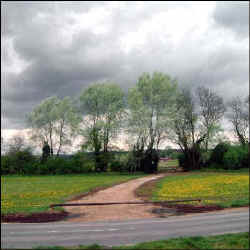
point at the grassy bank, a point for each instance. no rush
(28, 194)
(226, 241)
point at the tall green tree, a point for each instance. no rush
(103, 106)
(150, 105)
(56, 121)
(67, 123)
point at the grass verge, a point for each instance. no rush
(226, 241)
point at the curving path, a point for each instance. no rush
(118, 193)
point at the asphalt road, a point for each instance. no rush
(30, 235)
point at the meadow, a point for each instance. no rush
(28, 194)
(226, 189)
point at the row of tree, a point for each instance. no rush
(153, 111)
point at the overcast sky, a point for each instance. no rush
(58, 48)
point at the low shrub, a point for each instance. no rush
(119, 163)
(229, 157)
(245, 158)
(6, 165)
(79, 163)
(15, 162)
(218, 152)
(32, 168)
(78, 160)
(114, 165)
(236, 157)
(135, 162)
(42, 169)
(175, 155)
(182, 159)
(88, 166)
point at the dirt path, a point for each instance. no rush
(118, 193)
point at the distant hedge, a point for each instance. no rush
(24, 163)
(17, 162)
(218, 153)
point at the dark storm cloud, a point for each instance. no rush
(220, 67)
(57, 65)
(17, 15)
(234, 16)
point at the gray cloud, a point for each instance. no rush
(61, 66)
(234, 16)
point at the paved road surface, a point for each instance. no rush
(122, 232)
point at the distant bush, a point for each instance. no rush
(175, 155)
(83, 163)
(236, 157)
(79, 163)
(6, 165)
(15, 162)
(119, 163)
(57, 165)
(218, 152)
(78, 159)
(229, 157)
(245, 157)
(182, 161)
(115, 165)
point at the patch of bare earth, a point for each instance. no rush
(119, 193)
(47, 216)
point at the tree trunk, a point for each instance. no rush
(51, 143)
(60, 140)
(192, 158)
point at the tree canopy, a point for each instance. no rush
(102, 105)
(156, 109)
(54, 120)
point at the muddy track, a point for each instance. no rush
(119, 193)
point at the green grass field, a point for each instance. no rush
(226, 241)
(170, 163)
(225, 189)
(27, 194)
